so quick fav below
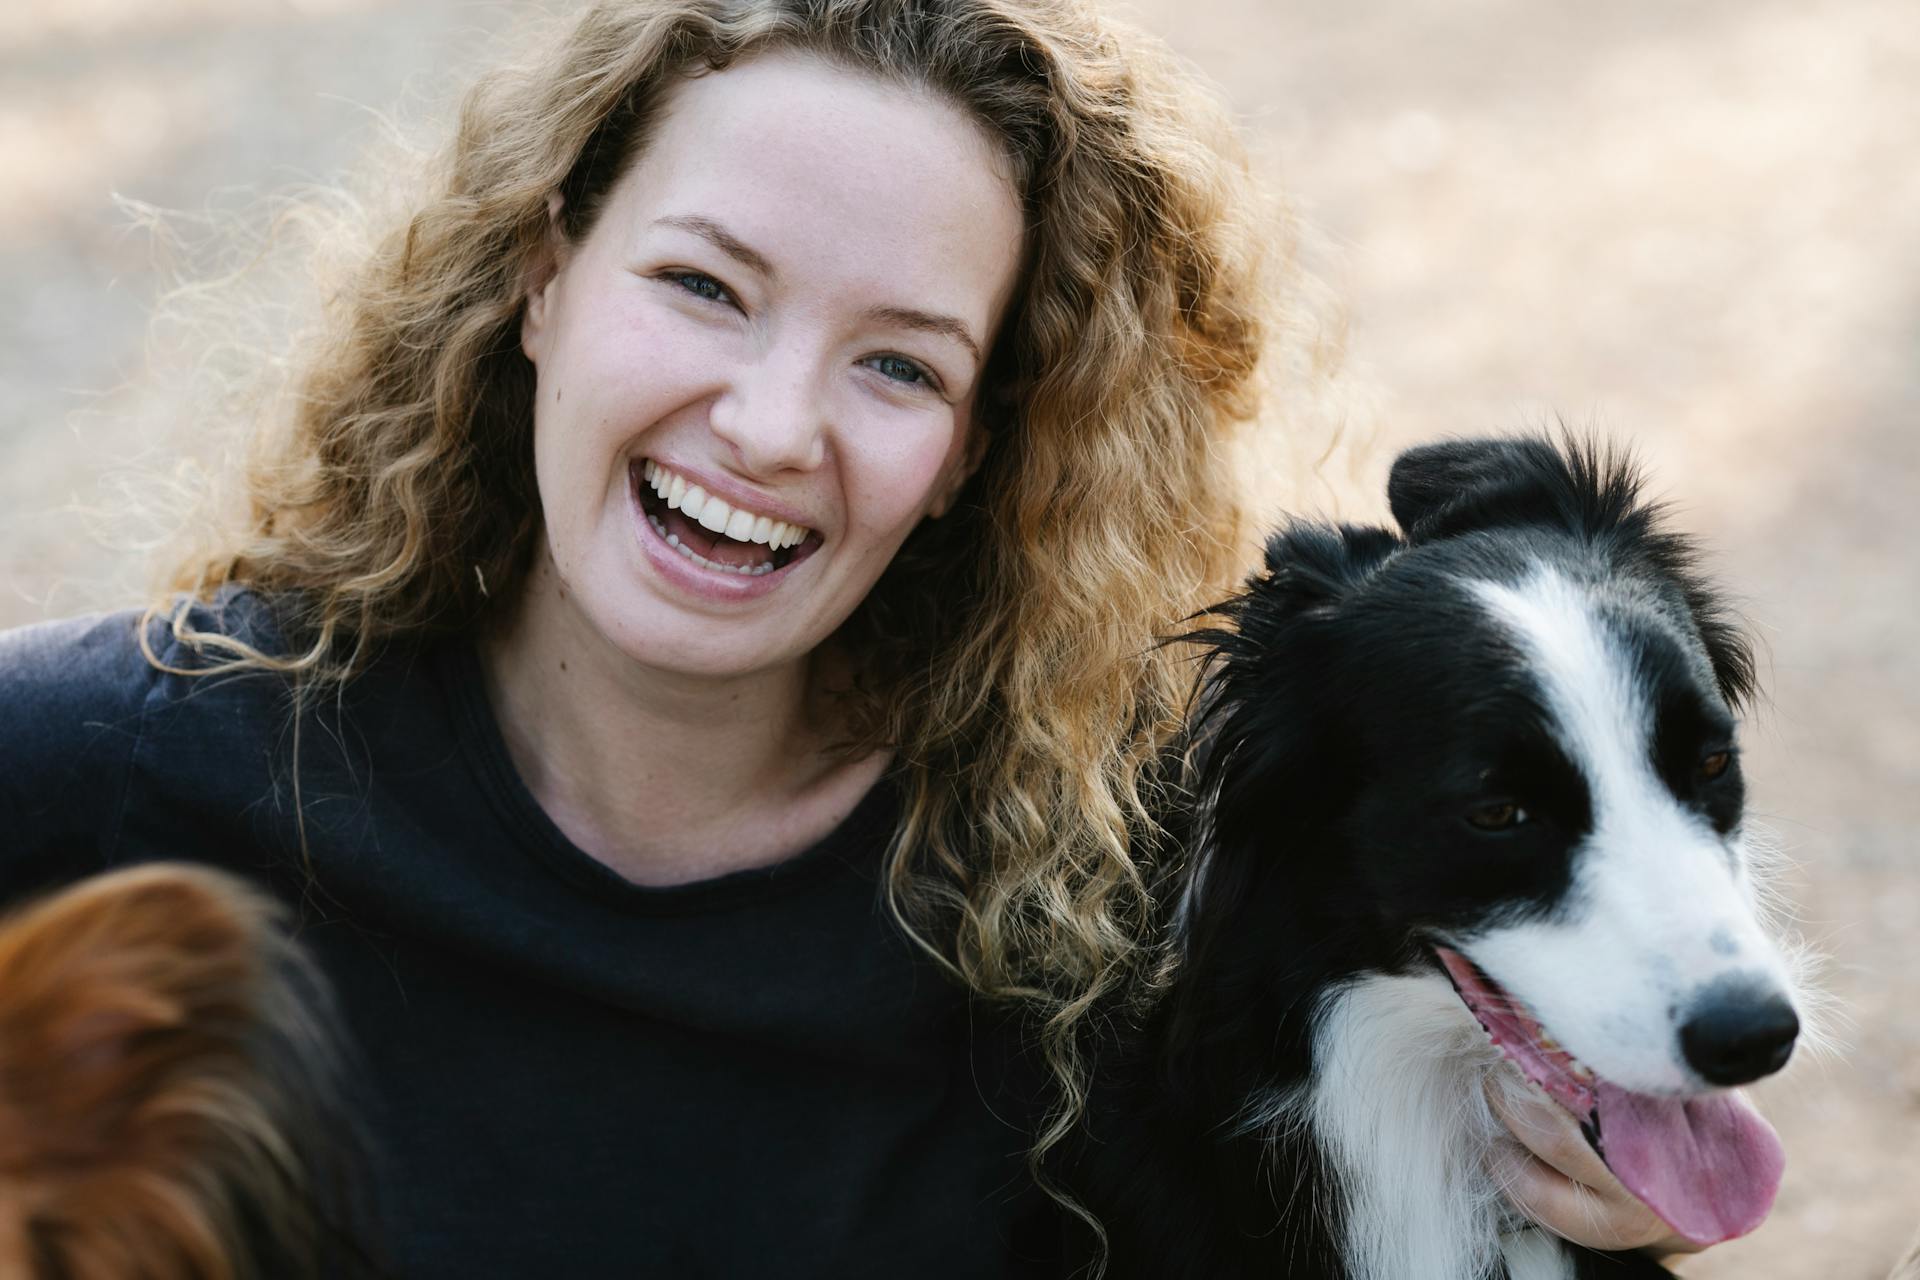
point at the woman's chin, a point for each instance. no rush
(660, 625)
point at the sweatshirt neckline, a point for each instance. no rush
(851, 849)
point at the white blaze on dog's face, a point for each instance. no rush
(1657, 928)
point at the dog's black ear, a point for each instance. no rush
(1728, 642)
(1253, 644)
(1310, 567)
(1729, 646)
(1312, 562)
(1307, 565)
(1439, 489)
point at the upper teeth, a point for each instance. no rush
(716, 515)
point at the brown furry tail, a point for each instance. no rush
(169, 1087)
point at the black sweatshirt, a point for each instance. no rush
(567, 1075)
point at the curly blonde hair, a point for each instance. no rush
(1019, 684)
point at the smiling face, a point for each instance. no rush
(757, 371)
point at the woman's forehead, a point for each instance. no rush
(823, 170)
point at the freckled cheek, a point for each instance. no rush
(898, 473)
(629, 362)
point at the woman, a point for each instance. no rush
(747, 487)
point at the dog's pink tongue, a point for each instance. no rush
(1708, 1166)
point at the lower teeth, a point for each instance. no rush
(673, 540)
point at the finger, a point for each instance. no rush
(1561, 1182)
(1570, 1209)
(1547, 1130)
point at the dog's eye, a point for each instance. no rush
(1497, 817)
(1715, 765)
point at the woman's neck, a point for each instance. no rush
(666, 777)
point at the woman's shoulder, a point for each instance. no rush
(62, 682)
(76, 697)
(71, 694)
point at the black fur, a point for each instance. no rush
(1355, 703)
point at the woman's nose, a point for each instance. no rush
(772, 414)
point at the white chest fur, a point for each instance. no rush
(1399, 1102)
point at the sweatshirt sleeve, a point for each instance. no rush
(72, 696)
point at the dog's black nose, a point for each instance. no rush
(1739, 1030)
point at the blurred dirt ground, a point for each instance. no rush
(1694, 226)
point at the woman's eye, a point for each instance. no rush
(1497, 817)
(1715, 765)
(901, 369)
(701, 286)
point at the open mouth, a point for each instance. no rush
(1708, 1164)
(713, 533)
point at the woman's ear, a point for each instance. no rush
(962, 471)
(542, 270)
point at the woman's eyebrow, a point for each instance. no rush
(926, 322)
(721, 239)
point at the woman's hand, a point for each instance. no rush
(1565, 1186)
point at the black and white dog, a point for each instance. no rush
(1464, 791)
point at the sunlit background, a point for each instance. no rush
(1695, 226)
